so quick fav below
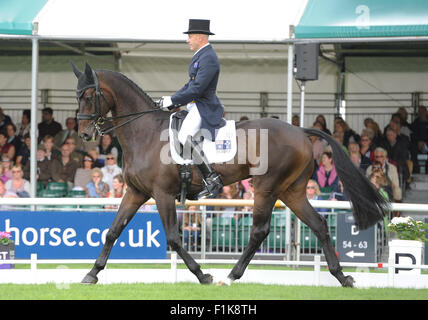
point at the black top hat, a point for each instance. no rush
(199, 26)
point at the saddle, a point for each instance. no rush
(222, 150)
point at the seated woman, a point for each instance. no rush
(313, 193)
(96, 188)
(83, 174)
(119, 187)
(326, 175)
(18, 184)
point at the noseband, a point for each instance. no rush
(98, 118)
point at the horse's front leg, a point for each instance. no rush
(167, 211)
(131, 202)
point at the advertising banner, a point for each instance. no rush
(81, 235)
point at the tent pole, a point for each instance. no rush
(33, 132)
(290, 83)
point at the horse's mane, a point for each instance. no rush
(141, 91)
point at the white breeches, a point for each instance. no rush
(191, 124)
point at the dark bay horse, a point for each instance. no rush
(289, 166)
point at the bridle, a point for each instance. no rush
(98, 119)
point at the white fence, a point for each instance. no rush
(316, 277)
(63, 276)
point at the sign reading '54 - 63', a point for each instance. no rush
(354, 245)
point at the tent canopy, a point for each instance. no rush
(161, 20)
(357, 19)
(16, 17)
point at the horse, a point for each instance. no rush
(290, 163)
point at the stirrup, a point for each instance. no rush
(213, 186)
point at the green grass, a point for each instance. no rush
(191, 291)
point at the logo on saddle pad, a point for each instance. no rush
(223, 146)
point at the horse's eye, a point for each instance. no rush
(88, 99)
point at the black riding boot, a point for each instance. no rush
(211, 179)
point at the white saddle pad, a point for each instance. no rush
(223, 149)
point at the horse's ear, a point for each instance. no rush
(88, 73)
(76, 71)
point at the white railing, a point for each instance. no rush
(362, 276)
(410, 207)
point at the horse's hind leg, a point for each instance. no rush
(167, 211)
(318, 224)
(262, 212)
(131, 202)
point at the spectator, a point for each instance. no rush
(366, 146)
(360, 161)
(313, 190)
(395, 124)
(64, 169)
(24, 127)
(295, 120)
(83, 174)
(397, 152)
(338, 136)
(44, 173)
(321, 119)
(110, 170)
(4, 120)
(7, 168)
(405, 125)
(51, 152)
(75, 155)
(13, 139)
(363, 161)
(24, 152)
(390, 172)
(420, 136)
(119, 187)
(338, 193)
(318, 146)
(69, 132)
(98, 163)
(191, 228)
(326, 175)
(377, 137)
(348, 133)
(228, 193)
(106, 146)
(378, 180)
(5, 147)
(96, 188)
(48, 126)
(18, 184)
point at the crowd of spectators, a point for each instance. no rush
(61, 157)
(94, 168)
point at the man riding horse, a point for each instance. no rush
(199, 94)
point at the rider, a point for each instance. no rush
(199, 94)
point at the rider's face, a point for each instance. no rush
(196, 41)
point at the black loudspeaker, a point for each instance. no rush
(306, 61)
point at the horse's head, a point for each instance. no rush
(93, 104)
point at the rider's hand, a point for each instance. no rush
(166, 103)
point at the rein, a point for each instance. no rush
(97, 117)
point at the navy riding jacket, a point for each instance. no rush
(204, 70)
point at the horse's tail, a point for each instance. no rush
(367, 203)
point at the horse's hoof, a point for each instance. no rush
(349, 282)
(226, 282)
(89, 279)
(206, 279)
